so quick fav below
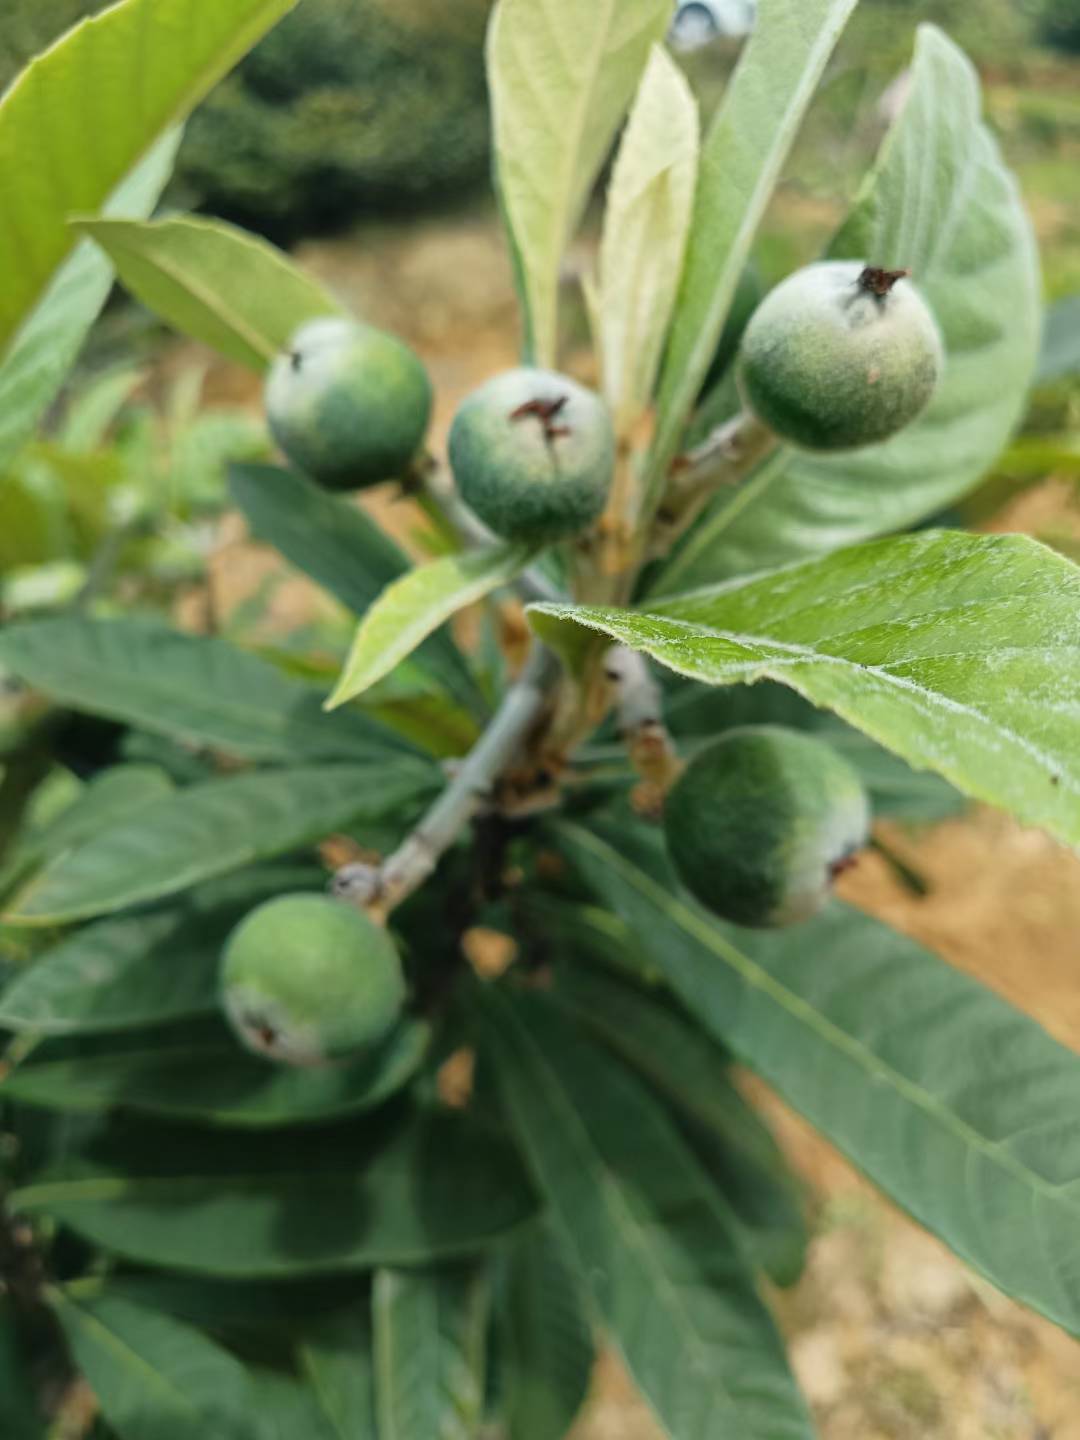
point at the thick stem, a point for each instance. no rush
(470, 790)
(724, 458)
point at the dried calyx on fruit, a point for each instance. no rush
(533, 453)
(840, 355)
(306, 979)
(762, 822)
(348, 404)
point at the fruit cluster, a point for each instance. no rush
(763, 820)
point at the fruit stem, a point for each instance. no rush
(438, 486)
(726, 457)
(639, 713)
(472, 787)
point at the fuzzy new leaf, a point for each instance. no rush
(410, 609)
(741, 159)
(646, 226)
(214, 282)
(961, 653)
(561, 76)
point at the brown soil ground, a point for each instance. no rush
(892, 1338)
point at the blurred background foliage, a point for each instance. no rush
(348, 107)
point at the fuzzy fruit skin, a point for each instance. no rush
(348, 404)
(829, 365)
(307, 979)
(528, 479)
(759, 824)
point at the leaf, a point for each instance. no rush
(193, 688)
(646, 228)
(211, 828)
(284, 1409)
(214, 282)
(941, 203)
(206, 1077)
(84, 113)
(1059, 358)
(332, 1199)
(336, 1356)
(344, 551)
(430, 1341)
(111, 796)
(741, 159)
(649, 1241)
(143, 969)
(561, 76)
(958, 652)
(18, 1403)
(154, 1377)
(38, 361)
(409, 610)
(691, 1072)
(548, 1345)
(957, 1105)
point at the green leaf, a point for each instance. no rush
(286, 1409)
(958, 652)
(18, 1403)
(1059, 358)
(84, 113)
(111, 796)
(548, 1346)
(941, 203)
(646, 228)
(211, 828)
(206, 1077)
(691, 1072)
(648, 1239)
(561, 76)
(154, 1377)
(407, 612)
(37, 363)
(741, 159)
(332, 1199)
(214, 282)
(952, 1101)
(342, 549)
(430, 1333)
(137, 970)
(196, 689)
(336, 1355)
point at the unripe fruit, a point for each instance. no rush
(348, 404)
(760, 824)
(840, 355)
(533, 453)
(306, 979)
